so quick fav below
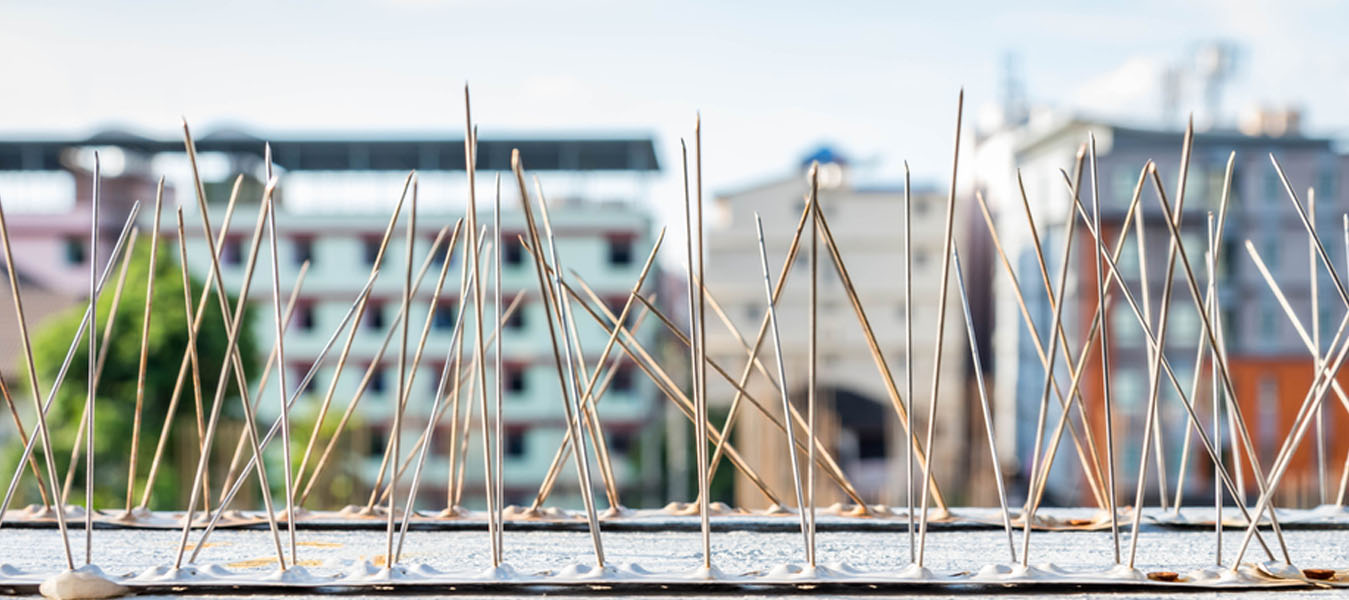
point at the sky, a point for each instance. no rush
(772, 80)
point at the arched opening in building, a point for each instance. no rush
(862, 441)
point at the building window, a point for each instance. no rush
(1269, 329)
(1270, 254)
(1267, 399)
(1325, 185)
(370, 250)
(615, 306)
(377, 383)
(304, 317)
(517, 321)
(1234, 190)
(233, 252)
(437, 253)
(1184, 324)
(620, 252)
(620, 443)
(830, 276)
(1229, 257)
(513, 254)
(1123, 184)
(1273, 188)
(515, 380)
(309, 386)
(920, 258)
(1127, 388)
(1195, 183)
(74, 251)
(1229, 317)
(1216, 179)
(1327, 321)
(1196, 244)
(1125, 331)
(434, 383)
(515, 444)
(378, 440)
(1128, 262)
(445, 316)
(623, 380)
(1185, 375)
(374, 316)
(304, 251)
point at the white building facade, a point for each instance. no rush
(334, 201)
(856, 415)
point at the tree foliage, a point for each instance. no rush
(116, 393)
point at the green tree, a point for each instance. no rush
(115, 411)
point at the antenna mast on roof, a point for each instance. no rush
(1014, 107)
(1215, 63)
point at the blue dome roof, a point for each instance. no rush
(824, 155)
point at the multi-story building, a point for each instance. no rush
(1271, 368)
(856, 417)
(335, 197)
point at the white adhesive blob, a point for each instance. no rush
(914, 571)
(614, 512)
(692, 508)
(502, 572)
(1125, 572)
(300, 513)
(362, 571)
(87, 582)
(452, 512)
(295, 574)
(40, 512)
(133, 516)
(1280, 570)
(352, 510)
(525, 513)
(784, 571)
(836, 570)
(994, 572)
(1216, 575)
(707, 574)
(847, 510)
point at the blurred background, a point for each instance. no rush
(598, 96)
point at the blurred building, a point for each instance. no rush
(856, 418)
(336, 195)
(40, 302)
(1271, 367)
